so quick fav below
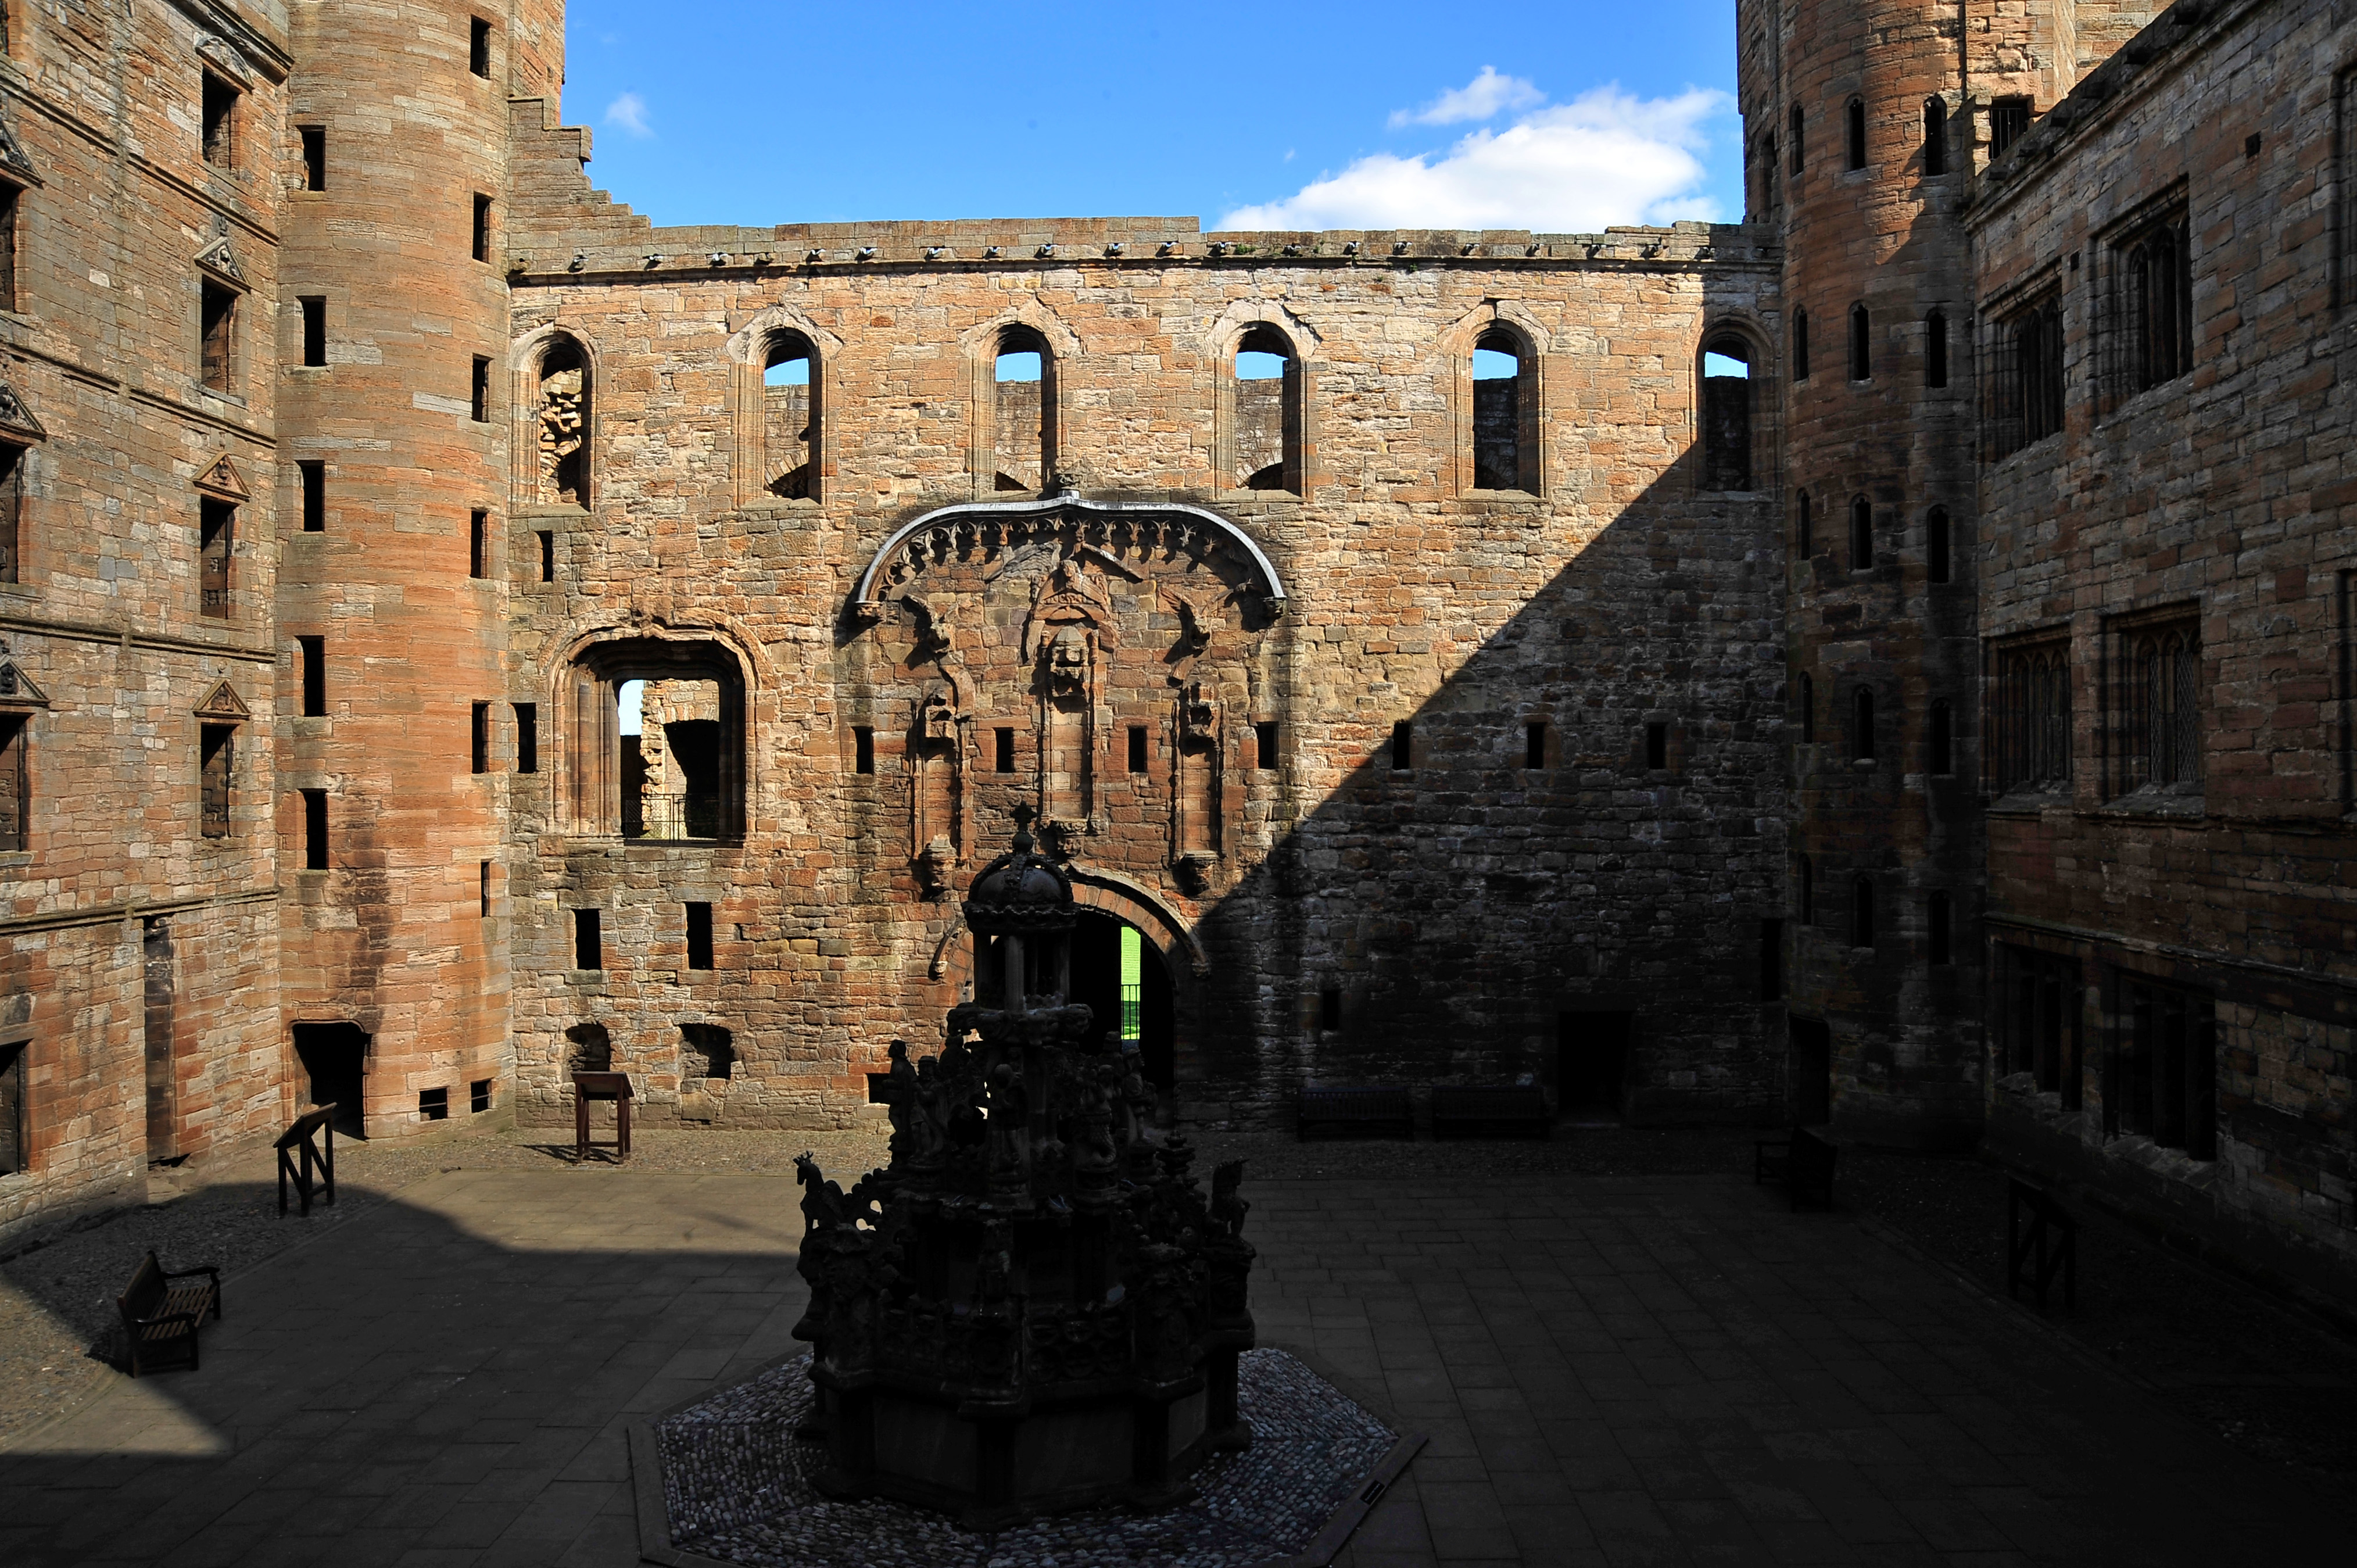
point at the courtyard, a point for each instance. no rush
(1620, 1349)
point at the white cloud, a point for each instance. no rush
(1487, 94)
(629, 112)
(1605, 157)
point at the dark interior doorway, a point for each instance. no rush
(334, 1055)
(1591, 1065)
(1812, 1070)
(1097, 982)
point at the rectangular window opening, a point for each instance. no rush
(478, 1095)
(216, 545)
(483, 889)
(219, 122)
(2157, 705)
(1264, 745)
(1937, 934)
(314, 475)
(547, 555)
(1657, 746)
(434, 1105)
(478, 47)
(315, 158)
(863, 749)
(313, 651)
(314, 829)
(589, 942)
(1138, 749)
(1403, 746)
(479, 737)
(218, 321)
(1329, 1008)
(479, 395)
(2028, 722)
(699, 936)
(12, 509)
(15, 1151)
(16, 782)
(1003, 741)
(217, 754)
(1535, 735)
(527, 723)
(9, 204)
(2008, 121)
(483, 233)
(314, 328)
(478, 526)
(1936, 548)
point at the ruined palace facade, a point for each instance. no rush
(1851, 665)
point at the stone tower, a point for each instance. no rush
(393, 445)
(1865, 124)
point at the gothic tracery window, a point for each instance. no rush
(2031, 718)
(2159, 707)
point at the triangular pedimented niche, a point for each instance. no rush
(17, 688)
(221, 261)
(14, 165)
(227, 58)
(223, 480)
(223, 705)
(15, 419)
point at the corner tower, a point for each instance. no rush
(398, 757)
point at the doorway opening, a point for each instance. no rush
(1591, 1065)
(1123, 980)
(336, 1057)
(1810, 1090)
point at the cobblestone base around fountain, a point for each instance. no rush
(736, 1488)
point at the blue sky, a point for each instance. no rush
(1561, 116)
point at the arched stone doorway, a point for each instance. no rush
(1099, 980)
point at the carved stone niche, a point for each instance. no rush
(1197, 773)
(937, 788)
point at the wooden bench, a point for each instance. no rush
(159, 1315)
(1477, 1108)
(1802, 1162)
(2049, 1243)
(1370, 1110)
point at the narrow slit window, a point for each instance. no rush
(1403, 746)
(1861, 535)
(314, 829)
(1795, 125)
(314, 654)
(588, 940)
(314, 475)
(220, 123)
(1264, 745)
(527, 723)
(1535, 735)
(216, 549)
(1936, 546)
(699, 936)
(1329, 1008)
(1806, 690)
(479, 737)
(547, 555)
(1138, 749)
(1935, 349)
(1935, 137)
(1657, 746)
(1857, 125)
(216, 775)
(1799, 345)
(483, 889)
(479, 390)
(1861, 738)
(1940, 724)
(315, 158)
(478, 47)
(1861, 344)
(1938, 943)
(1803, 530)
(479, 528)
(217, 323)
(1003, 754)
(481, 241)
(315, 329)
(863, 748)
(1862, 913)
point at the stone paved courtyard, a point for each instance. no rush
(1613, 1370)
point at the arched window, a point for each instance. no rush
(1805, 689)
(563, 423)
(789, 417)
(1935, 348)
(1861, 533)
(1504, 409)
(655, 740)
(1941, 737)
(1266, 443)
(1856, 119)
(1799, 345)
(1861, 346)
(1935, 545)
(1861, 933)
(1936, 137)
(1023, 411)
(1793, 139)
(1861, 724)
(1764, 160)
(1727, 414)
(1805, 885)
(1803, 525)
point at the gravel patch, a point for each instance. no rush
(738, 1488)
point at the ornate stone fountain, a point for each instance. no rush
(1034, 1306)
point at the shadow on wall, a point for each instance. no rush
(1585, 818)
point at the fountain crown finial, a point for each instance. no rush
(1022, 891)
